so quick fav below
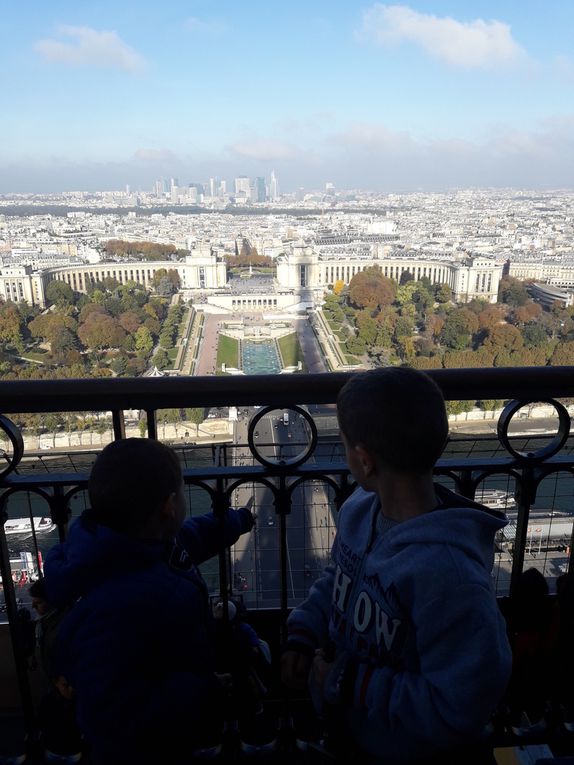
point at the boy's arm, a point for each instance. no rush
(307, 629)
(308, 623)
(465, 664)
(207, 535)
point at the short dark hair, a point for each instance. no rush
(398, 414)
(130, 480)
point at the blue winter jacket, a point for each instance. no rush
(137, 644)
(421, 653)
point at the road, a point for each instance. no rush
(310, 524)
(207, 358)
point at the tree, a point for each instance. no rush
(563, 355)
(101, 331)
(442, 293)
(404, 327)
(141, 250)
(534, 335)
(526, 313)
(467, 359)
(130, 321)
(512, 292)
(89, 309)
(59, 293)
(503, 337)
(490, 405)
(459, 326)
(195, 415)
(63, 341)
(366, 328)
(434, 325)
(356, 346)
(338, 287)
(458, 407)
(406, 277)
(426, 362)
(143, 341)
(405, 292)
(423, 300)
(490, 317)
(370, 289)
(161, 359)
(11, 326)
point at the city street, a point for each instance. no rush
(310, 524)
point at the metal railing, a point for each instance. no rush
(283, 470)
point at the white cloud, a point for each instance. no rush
(470, 44)
(206, 26)
(264, 149)
(154, 155)
(88, 46)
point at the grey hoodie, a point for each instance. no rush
(421, 654)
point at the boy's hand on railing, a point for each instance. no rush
(295, 668)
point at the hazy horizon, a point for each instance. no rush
(424, 96)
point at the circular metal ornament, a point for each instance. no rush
(293, 461)
(15, 438)
(546, 451)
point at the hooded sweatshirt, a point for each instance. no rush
(136, 645)
(421, 653)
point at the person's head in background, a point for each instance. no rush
(136, 488)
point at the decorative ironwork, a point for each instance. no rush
(287, 479)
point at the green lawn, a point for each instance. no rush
(227, 352)
(290, 350)
(172, 353)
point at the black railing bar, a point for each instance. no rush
(119, 424)
(151, 418)
(529, 383)
(499, 465)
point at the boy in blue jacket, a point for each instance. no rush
(401, 638)
(137, 644)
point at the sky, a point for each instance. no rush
(427, 95)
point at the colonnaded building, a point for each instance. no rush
(304, 271)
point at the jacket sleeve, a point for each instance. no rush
(308, 624)
(465, 664)
(207, 535)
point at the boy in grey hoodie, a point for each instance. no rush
(417, 655)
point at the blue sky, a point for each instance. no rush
(382, 96)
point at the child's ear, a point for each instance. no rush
(366, 460)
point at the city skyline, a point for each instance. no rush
(383, 97)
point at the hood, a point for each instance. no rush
(91, 554)
(457, 522)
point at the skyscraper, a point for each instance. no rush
(242, 187)
(260, 190)
(273, 187)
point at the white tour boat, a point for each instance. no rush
(23, 526)
(497, 499)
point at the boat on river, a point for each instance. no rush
(23, 526)
(497, 499)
